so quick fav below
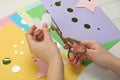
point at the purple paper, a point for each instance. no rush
(102, 29)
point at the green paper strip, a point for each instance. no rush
(55, 35)
(110, 44)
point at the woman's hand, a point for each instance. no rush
(95, 52)
(42, 45)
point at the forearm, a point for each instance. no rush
(56, 70)
(115, 65)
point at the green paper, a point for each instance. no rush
(110, 44)
(86, 63)
(55, 35)
(37, 12)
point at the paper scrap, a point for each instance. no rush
(89, 4)
(16, 68)
(46, 18)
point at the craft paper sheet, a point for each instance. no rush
(101, 28)
(10, 36)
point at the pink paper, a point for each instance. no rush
(89, 4)
(43, 67)
(4, 21)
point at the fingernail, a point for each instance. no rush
(74, 61)
(78, 63)
(44, 25)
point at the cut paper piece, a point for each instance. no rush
(37, 12)
(21, 52)
(22, 13)
(43, 67)
(15, 51)
(58, 3)
(37, 22)
(23, 29)
(89, 4)
(17, 19)
(46, 18)
(77, 30)
(22, 42)
(6, 61)
(16, 68)
(93, 72)
(15, 46)
(74, 19)
(58, 45)
(23, 21)
(70, 10)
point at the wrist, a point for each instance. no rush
(110, 61)
(115, 65)
(56, 60)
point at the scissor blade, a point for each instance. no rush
(53, 21)
(55, 26)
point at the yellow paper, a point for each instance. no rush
(12, 39)
(72, 72)
(11, 35)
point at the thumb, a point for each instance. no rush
(46, 32)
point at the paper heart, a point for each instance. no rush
(37, 22)
(46, 18)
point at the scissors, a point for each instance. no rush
(68, 41)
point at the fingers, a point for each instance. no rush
(38, 35)
(41, 37)
(72, 57)
(91, 44)
(81, 58)
(87, 43)
(75, 46)
(46, 33)
(29, 34)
